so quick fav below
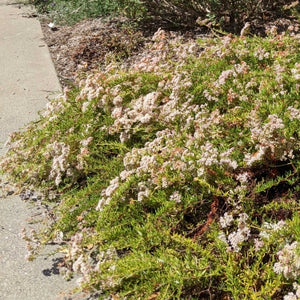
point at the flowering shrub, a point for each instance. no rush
(177, 171)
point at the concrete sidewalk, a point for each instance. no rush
(27, 76)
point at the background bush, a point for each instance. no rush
(72, 11)
(229, 14)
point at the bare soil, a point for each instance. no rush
(85, 46)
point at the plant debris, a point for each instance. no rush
(85, 46)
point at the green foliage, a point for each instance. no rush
(72, 11)
(229, 15)
(178, 174)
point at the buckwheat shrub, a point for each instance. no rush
(187, 139)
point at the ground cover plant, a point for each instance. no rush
(175, 176)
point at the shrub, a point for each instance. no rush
(72, 11)
(228, 14)
(178, 174)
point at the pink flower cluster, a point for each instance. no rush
(288, 261)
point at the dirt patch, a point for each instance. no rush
(86, 45)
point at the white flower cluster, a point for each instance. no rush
(269, 228)
(107, 193)
(237, 69)
(143, 191)
(244, 178)
(217, 87)
(84, 151)
(162, 54)
(90, 88)
(295, 295)
(235, 238)
(59, 153)
(209, 155)
(163, 45)
(143, 111)
(224, 76)
(279, 73)
(294, 113)
(296, 71)
(269, 140)
(162, 162)
(81, 263)
(176, 196)
(107, 255)
(261, 54)
(289, 261)
(268, 131)
(226, 161)
(226, 220)
(242, 234)
(272, 30)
